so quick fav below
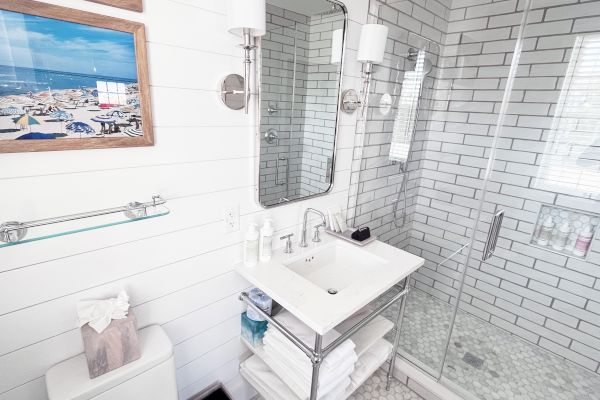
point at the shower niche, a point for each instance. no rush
(566, 231)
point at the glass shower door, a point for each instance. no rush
(528, 322)
(395, 192)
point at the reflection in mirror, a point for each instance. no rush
(301, 57)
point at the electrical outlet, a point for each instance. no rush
(232, 219)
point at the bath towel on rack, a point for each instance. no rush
(290, 362)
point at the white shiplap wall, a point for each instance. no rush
(177, 269)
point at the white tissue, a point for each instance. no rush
(99, 313)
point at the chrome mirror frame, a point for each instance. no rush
(257, 103)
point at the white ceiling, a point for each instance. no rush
(306, 7)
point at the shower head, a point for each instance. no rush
(418, 56)
(334, 9)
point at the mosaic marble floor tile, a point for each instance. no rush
(487, 361)
(374, 389)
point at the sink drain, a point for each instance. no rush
(332, 291)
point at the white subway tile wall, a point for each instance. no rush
(177, 269)
(543, 297)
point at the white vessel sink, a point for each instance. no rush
(301, 281)
(335, 266)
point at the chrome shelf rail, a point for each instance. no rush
(14, 232)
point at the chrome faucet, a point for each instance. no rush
(322, 224)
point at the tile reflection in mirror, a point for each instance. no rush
(300, 85)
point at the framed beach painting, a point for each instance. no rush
(132, 5)
(71, 79)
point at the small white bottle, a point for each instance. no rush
(546, 231)
(251, 246)
(571, 241)
(266, 240)
(583, 241)
(560, 239)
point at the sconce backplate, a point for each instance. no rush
(232, 91)
(350, 101)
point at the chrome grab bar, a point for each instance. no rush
(492, 237)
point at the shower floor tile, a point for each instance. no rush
(374, 388)
(487, 361)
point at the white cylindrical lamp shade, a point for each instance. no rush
(337, 41)
(246, 14)
(371, 47)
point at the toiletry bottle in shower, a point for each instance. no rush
(251, 246)
(546, 231)
(559, 240)
(583, 241)
(571, 241)
(266, 240)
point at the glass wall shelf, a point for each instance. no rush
(13, 233)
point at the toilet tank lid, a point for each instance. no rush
(70, 379)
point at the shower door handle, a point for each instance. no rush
(492, 237)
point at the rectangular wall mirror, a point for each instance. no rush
(301, 69)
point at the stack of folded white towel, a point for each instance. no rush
(291, 363)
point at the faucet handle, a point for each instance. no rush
(317, 236)
(288, 243)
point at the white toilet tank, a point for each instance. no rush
(152, 377)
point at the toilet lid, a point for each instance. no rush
(70, 380)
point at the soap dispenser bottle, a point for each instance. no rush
(266, 240)
(251, 246)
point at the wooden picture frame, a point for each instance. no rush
(132, 5)
(141, 92)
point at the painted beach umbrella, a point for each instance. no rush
(116, 114)
(104, 119)
(27, 120)
(80, 127)
(133, 132)
(12, 110)
(61, 116)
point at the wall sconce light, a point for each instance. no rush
(247, 19)
(371, 50)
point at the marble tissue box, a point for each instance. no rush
(116, 346)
